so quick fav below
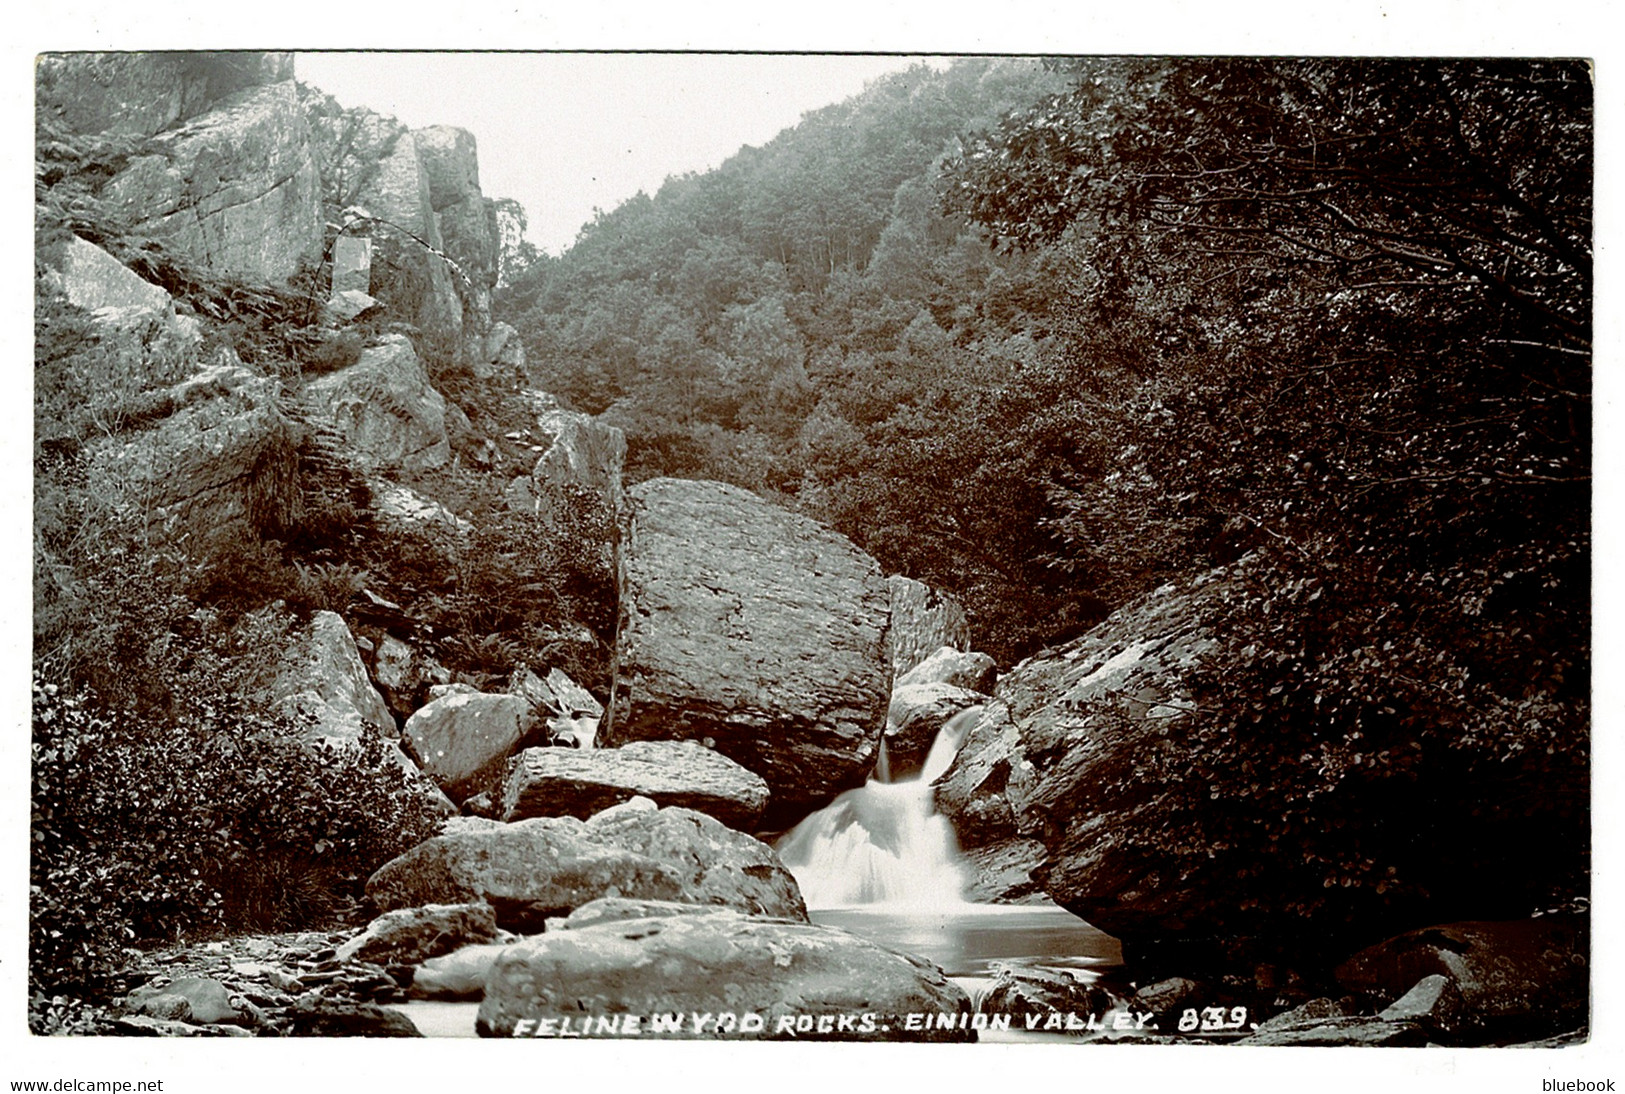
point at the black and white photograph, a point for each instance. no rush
(1082, 553)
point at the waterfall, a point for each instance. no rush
(884, 842)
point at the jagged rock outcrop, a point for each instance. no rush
(463, 739)
(142, 93)
(234, 188)
(384, 407)
(579, 453)
(805, 982)
(563, 782)
(923, 621)
(415, 194)
(531, 870)
(324, 684)
(756, 629)
(206, 454)
(467, 223)
(987, 782)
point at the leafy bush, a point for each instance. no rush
(222, 819)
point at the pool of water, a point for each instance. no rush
(966, 939)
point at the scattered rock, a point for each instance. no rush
(557, 782)
(197, 1000)
(719, 963)
(532, 869)
(753, 627)
(404, 675)
(1166, 998)
(1303, 1015)
(314, 1016)
(971, 671)
(408, 936)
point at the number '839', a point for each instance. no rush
(1211, 1019)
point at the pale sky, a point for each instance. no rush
(564, 133)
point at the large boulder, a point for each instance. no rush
(563, 782)
(384, 407)
(756, 629)
(1527, 976)
(234, 189)
(749, 977)
(139, 94)
(531, 870)
(463, 739)
(923, 621)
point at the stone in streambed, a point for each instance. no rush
(532, 869)
(714, 964)
(556, 782)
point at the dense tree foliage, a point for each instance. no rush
(1338, 313)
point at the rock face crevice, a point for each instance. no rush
(756, 629)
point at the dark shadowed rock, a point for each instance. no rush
(1532, 975)
(563, 782)
(313, 1016)
(1357, 1031)
(719, 963)
(924, 620)
(533, 869)
(408, 936)
(1025, 991)
(756, 628)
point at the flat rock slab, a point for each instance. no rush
(533, 869)
(720, 975)
(753, 627)
(407, 936)
(561, 782)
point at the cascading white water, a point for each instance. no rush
(884, 842)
